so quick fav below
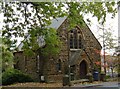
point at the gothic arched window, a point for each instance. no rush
(71, 41)
(75, 39)
(79, 42)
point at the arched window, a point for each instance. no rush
(71, 41)
(75, 39)
(59, 65)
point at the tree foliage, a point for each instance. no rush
(22, 17)
(12, 76)
(6, 57)
(109, 39)
(117, 62)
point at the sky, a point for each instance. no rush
(110, 23)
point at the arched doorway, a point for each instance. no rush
(83, 69)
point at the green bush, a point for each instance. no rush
(107, 76)
(11, 76)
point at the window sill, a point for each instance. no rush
(75, 49)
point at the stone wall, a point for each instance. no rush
(52, 74)
(26, 65)
(47, 66)
(93, 47)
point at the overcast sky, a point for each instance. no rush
(110, 23)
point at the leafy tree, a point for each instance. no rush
(109, 43)
(117, 61)
(6, 57)
(112, 63)
(34, 17)
(109, 39)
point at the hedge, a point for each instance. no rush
(11, 76)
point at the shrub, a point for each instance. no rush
(11, 76)
(107, 76)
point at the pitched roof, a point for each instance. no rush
(55, 23)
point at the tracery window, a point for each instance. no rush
(79, 42)
(71, 41)
(75, 39)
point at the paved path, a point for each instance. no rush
(103, 85)
(110, 84)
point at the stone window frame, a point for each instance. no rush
(75, 37)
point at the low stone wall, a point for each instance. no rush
(54, 78)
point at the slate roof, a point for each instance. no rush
(55, 23)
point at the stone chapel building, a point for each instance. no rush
(79, 52)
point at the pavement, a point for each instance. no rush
(102, 85)
(110, 84)
(87, 85)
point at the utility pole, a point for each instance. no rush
(104, 60)
(119, 24)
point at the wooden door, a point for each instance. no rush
(83, 69)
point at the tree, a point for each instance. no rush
(112, 63)
(109, 42)
(117, 62)
(34, 17)
(6, 57)
(109, 39)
